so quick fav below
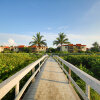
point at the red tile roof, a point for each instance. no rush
(6, 47)
(21, 46)
(34, 46)
(70, 45)
(79, 45)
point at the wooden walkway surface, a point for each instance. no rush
(51, 84)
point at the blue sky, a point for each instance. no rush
(21, 19)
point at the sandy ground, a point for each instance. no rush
(51, 84)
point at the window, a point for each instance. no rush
(66, 47)
(82, 47)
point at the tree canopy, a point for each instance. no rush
(61, 39)
(37, 40)
(96, 47)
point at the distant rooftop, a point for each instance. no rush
(79, 45)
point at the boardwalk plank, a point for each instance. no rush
(51, 84)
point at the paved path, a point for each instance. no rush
(51, 84)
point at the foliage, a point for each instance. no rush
(11, 63)
(25, 50)
(7, 51)
(89, 64)
(37, 40)
(51, 50)
(96, 47)
(95, 44)
(61, 39)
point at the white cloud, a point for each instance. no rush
(62, 27)
(11, 42)
(50, 37)
(9, 39)
(49, 28)
(84, 39)
(74, 38)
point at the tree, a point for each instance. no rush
(95, 44)
(37, 40)
(51, 50)
(60, 40)
(95, 47)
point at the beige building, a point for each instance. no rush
(73, 48)
(34, 48)
(38, 48)
(1, 49)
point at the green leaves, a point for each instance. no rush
(89, 64)
(11, 63)
(61, 39)
(37, 40)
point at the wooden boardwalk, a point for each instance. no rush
(51, 84)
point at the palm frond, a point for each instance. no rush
(61, 39)
(37, 40)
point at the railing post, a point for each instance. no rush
(70, 75)
(39, 66)
(33, 70)
(88, 91)
(56, 58)
(17, 89)
(62, 64)
(44, 60)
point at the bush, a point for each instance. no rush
(11, 63)
(89, 64)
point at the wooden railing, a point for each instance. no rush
(89, 80)
(14, 80)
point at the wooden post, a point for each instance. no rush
(39, 66)
(70, 75)
(33, 70)
(88, 91)
(57, 59)
(62, 64)
(17, 89)
(44, 60)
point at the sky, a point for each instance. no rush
(21, 19)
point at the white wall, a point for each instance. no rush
(64, 48)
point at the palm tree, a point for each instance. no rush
(61, 39)
(37, 40)
(96, 47)
(95, 44)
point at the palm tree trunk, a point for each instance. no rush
(61, 48)
(38, 48)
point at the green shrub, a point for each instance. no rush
(89, 64)
(11, 63)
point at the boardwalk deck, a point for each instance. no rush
(51, 84)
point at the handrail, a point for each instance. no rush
(9, 83)
(90, 81)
